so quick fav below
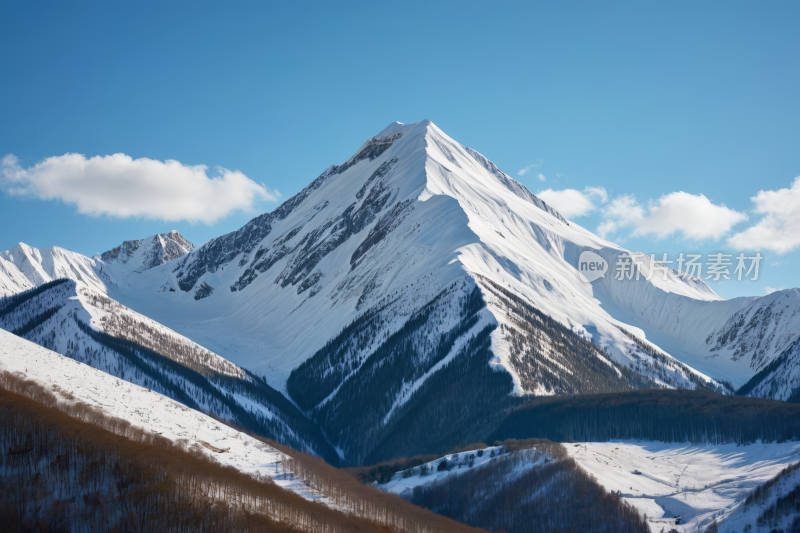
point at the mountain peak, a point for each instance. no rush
(398, 127)
(143, 254)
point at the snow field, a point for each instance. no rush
(698, 483)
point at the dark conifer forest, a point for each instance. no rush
(557, 495)
(661, 415)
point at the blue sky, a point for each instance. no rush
(643, 100)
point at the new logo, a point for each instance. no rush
(591, 266)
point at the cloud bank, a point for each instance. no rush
(692, 216)
(779, 229)
(122, 187)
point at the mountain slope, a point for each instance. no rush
(519, 487)
(732, 340)
(409, 214)
(698, 483)
(73, 381)
(72, 319)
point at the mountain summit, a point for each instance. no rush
(399, 279)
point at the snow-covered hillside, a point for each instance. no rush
(139, 255)
(145, 408)
(731, 340)
(698, 483)
(81, 323)
(774, 506)
(404, 482)
(515, 486)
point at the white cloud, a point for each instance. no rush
(770, 290)
(678, 213)
(541, 177)
(780, 263)
(530, 167)
(573, 203)
(779, 229)
(120, 186)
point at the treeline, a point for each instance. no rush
(307, 435)
(221, 372)
(659, 415)
(9, 303)
(120, 324)
(384, 471)
(177, 381)
(775, 512)
(531, 486)
(146, 354)
(549, 356)
(68, 467)
(460, 403)
(36, 321)
(347, 493)
(782, 361)
(28, 314)
(660, 361)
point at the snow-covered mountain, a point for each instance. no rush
(417, 270)
(411, 270)
(139, 255)
(24, 267)
(752, 343)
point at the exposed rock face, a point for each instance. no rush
(144, 254)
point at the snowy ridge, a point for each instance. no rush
(146, 409)
(84, 324)
(23, 267)
(344, 243)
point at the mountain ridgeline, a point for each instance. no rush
(136, 349)
(220, 251)
(143, 254)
